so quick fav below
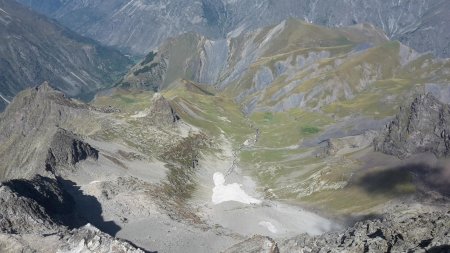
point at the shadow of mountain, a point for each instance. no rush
(406, 178)
(88, 208)
(49, 194)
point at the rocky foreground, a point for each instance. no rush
(407, 231)
(38, 216)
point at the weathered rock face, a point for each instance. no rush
(422, 127)
(20, 214)
(139, 26)
(419, 232)
(34, 49)
(33, 206)
(67, 149)
(31, 125)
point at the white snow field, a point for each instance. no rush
(230, 192)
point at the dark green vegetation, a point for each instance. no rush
(148, 58)
(182, 163)
(145, 69)
(310, 130)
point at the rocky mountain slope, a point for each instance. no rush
(139, 26)
(413, 231)
(34, 49)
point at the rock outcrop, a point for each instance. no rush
(422, 127)
(67, 149)
(162, 113)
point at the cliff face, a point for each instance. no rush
(139, 26)
(67, 149)
(34, 49)
(421, 127)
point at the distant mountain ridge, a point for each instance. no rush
(138, 26)
(34, 49)
(290, 65)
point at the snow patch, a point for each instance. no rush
(269, 226)
(230, 192)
